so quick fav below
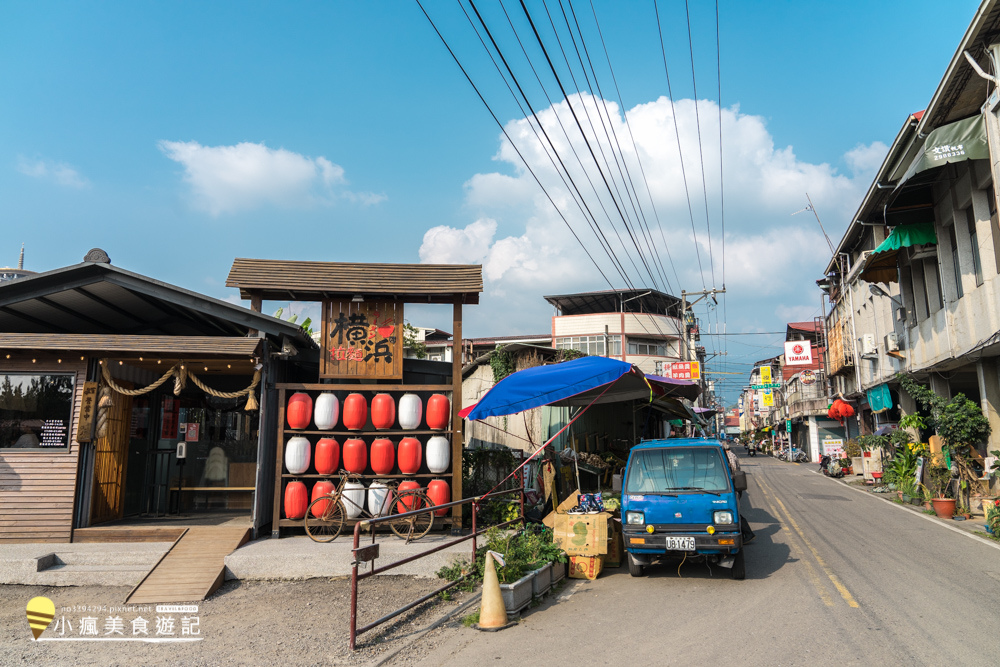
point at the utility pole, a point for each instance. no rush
(686, 346)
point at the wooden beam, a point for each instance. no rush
(456, 407)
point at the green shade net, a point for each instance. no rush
(908, 235)
(879, 398)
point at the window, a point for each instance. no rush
(35, 410)
(956, 267)
(652, 348)
(974, 238)
(994, 224)
(592, 345)
(677, 470)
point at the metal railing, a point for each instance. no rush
(370, 553)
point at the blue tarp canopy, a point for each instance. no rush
(577, 382)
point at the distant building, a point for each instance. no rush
(10, 273)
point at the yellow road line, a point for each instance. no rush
(841, 588)
(812, 574)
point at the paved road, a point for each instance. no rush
(835, 576)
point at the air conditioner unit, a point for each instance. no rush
(901, 314)
(892, 342)
(868, 348)
(858, 265)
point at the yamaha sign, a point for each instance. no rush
(798, 353)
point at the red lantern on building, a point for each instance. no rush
(296, 500)
(320, 489)
(383, 456)
(355, 455)
(438, 412)
(299, 411)
(409, 455)
(846, 410)
(406, 504)
(440, 493)
(327, 456)
(355, 412)
(383, 411)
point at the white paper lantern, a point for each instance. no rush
(298, 453)
(438, 454)
(326, 411)
(354, 499)
(411, 410)
(378, 499)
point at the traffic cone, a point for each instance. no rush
(493, 613)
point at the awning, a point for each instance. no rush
(574, 383)
(881, 265)
(954, 142)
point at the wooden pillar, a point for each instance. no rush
(456, 407)
(255, 305)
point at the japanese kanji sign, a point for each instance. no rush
(88, 406)
(362, 340)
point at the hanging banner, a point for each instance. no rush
(362, 340)
(767, 398)
(798, 353)
(765, 375)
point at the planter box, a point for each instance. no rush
(858, 464)
(517, 596)
(542, 582)
(558, 572)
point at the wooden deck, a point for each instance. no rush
(129, 533)
(193, 568)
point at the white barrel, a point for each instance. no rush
(410, 411)
(438, 454)
(326, 411)
(354, 499)
(298, 453)
(378, 499)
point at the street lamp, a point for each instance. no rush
(878, 291)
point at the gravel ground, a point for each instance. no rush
(245, 623)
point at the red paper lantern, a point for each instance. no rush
(383, 456)
(406, 504)
(296, 500)
(355, 412)
(299, 410)
(846, 410)
(438, 412)
(355, 455)
(383, 411)
(440, 493)
(409, 455)
(320, 489)
(834, 411)
(327, 456)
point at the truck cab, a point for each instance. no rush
(679, 501)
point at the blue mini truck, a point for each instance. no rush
(679, 501)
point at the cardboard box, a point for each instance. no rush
(582, 534)
(585, 567)
(616, 546)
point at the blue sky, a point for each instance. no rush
(180, 135)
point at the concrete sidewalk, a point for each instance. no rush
(301, 558)
(79, 564)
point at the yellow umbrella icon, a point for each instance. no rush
(41, 611)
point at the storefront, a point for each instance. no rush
(122, 396)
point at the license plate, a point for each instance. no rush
(680, 543)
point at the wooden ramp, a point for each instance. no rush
(193, 568)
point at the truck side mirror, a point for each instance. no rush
(740, 481)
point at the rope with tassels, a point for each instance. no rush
(180, 373)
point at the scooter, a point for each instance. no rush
(830, 468)
(751, 451)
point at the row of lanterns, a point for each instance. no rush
(383, 456)
(379, 502)
(325, 411)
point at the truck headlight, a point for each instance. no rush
(722, 518)
(635, 518)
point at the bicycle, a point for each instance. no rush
(326, 515)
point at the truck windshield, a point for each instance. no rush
(677, 470)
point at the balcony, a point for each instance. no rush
(840, 354)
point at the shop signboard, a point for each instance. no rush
(88, 408)
(362, 340)
(798, 353)
(807, 377)
(788, 425)
(684, 370)
(767, 398)
(833, 447)
(765, 375)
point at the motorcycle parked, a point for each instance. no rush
(830, 467)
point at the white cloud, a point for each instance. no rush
(58, 172)
(771, 258)
(245, 176)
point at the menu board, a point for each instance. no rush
(53, 433)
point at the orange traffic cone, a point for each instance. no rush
(493, 613)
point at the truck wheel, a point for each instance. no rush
(635, 568)
(739, 569)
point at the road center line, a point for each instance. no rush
(841, 588)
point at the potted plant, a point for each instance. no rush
(939, 481)
(853, 451)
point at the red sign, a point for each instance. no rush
(798, 353)
(683, 370)
(362, 340)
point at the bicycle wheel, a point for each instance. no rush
(413, 527)
(324, 519)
